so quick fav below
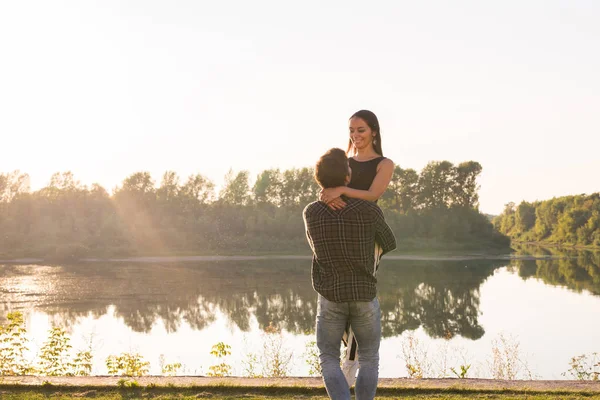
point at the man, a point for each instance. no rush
(343, 244)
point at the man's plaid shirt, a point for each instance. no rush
(343, 245)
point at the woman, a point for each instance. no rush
(370, 176)
(371, 172)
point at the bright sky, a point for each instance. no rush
(107, 88)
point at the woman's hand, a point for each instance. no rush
(337, 204)
(332, 197)
(327, 195)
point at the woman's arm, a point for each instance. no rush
(385, 170)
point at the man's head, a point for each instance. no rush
(332, 169)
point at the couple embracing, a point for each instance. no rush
(348, 235)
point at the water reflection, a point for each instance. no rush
(143, 294)
(576, 270)
(442, 297)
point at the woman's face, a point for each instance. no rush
(360, 133)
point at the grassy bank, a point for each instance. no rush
(142, 395)
(18, 392)
(192, 387)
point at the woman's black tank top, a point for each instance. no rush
(363, 173)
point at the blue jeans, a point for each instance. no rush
(365, 319)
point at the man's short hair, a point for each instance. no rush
(332, 169)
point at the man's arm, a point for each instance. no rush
(383, 234)
(306, 228)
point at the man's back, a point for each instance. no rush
(343, 244)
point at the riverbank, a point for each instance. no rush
(204, 258)
(284, 388)
(554, 245)
(406, 247)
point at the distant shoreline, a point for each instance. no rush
(554, 245)
(193, 258)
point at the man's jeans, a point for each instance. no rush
(365, 319)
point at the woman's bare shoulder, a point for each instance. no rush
(385, 163)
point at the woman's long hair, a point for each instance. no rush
(371, 119)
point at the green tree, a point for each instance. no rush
(169, 187)
(403, 191)
(568, 220)
(298, 187)
(12, 185)
(505, 222)
(465, 188)
(138, 183)
(525, 216)
(267, 188)
(436, 182)
(199, 189)
(236, 190)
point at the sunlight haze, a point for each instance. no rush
(108, 88)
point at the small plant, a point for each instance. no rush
(82, 364)
(442, 359)
(311, 356)
(127, 364)
(251, 362)
(451, 360)
(171, 369)
(415, 356)
(220, 350)
(83, 360)
(54, 357)
(507, 360)
(251, 365)
(127, 384)
(585, 367)
(464, 369)
(13, 345)
(276, 358)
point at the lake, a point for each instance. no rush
(440, 313)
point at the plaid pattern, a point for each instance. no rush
(343, 245)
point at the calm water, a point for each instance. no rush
(455, 309)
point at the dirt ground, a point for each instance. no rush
(182, 381)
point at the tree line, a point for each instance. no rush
(567, 221)
(437, 207)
